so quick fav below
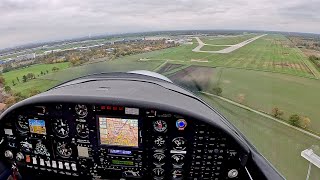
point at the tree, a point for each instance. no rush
(305, 122)
(276, 112)
(24, 78)
(18, 79)
(7, 89)
(13, 83)
(55, 69)
(47, 71)
(30, 76)
(217, 91)
(294, 120)
(41, 73)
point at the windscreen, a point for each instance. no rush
(255, 61)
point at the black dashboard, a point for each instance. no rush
(129, 126)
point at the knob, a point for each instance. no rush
(233, 173)
(19, 156)
(8, 154)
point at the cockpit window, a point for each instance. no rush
(256, 62)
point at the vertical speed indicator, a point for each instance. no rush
(160, 126)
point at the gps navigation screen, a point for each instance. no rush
(119, 132)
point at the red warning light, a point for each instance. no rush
(108, 107)
(103, 107)
(115, 108)
(120, 108)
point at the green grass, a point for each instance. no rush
(269, 53)
(35, 69)
(280, 144)
(35, 84)
(263, 91)
(227, 40)
(213, 48)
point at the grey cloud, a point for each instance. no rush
(308, 10)
(24, 21)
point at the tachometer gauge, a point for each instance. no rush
(179, 143)
(81, 110)
(82, 130)
(61, 127)
(64, 150)
(22, 123)
(160, 126)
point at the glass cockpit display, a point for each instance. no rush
(118, 131)
(37, 126)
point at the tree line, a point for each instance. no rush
(294, 119)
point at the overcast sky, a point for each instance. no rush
(25, 21)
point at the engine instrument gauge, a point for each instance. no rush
(159, 158)
(160, 126)
(81, 110)
(177, 159)
(177, 174)
(61, 128)
(64, 150)
(179, 143)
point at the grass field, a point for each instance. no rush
(228, 40)
(35, 69)
(280, 144)
(213, 48)
(269, 53)
(259, 90)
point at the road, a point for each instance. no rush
(229, 49)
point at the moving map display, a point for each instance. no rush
(119, 132)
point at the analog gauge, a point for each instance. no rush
(82, 130)
(177, 174)
(26, 146)
(179, 143)
(41, 149)
(160, 126)
(177, 159)
(64, 150)
(158, 172)
(61, 127)
(159, 142)
(81, 110)
(22, 123)
(159, 158)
